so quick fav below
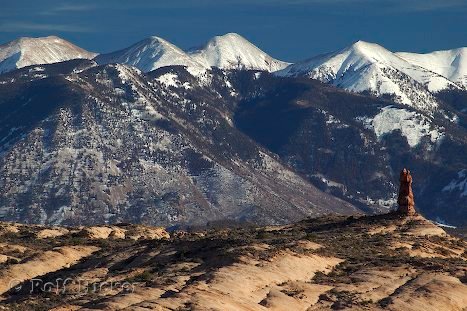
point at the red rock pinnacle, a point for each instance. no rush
(405, 199)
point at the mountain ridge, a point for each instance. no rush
(136, 148)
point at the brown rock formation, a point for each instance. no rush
(405, 198)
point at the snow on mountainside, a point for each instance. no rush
(459, 184)
(370, 67)
(232, 51)
(412, 125)
(111, 144)
(35, 51)
(150, 54)
(451, 64)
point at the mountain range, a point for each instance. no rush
(224, 132)
(410, 78)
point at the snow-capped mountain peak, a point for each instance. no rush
(358, 55)
(149, 54)
(369, 67)
(372, 52)
(232, 51)
(367, 48)
(27, 51)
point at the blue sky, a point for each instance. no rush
(288, 30)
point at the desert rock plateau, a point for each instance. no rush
(384, 262)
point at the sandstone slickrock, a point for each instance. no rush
(49, 261)
(323, 263)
